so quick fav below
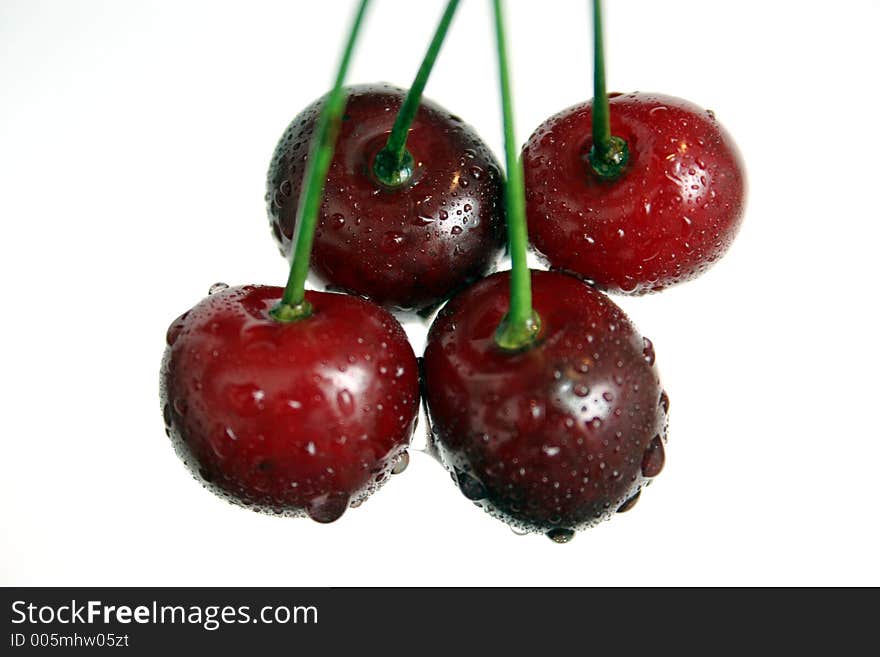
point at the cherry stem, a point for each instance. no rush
(293, 305)
(520, 326)
(393, 166)
(609, 154)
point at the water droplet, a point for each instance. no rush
(337, 221)
(648, 351)
(401, 463)
(217, 287)
(653, 458)
(471, 487)
(476, 172)
(630, 503)
(456, 230)
(560, 535)
(166, 413)
(345, 401)
(393, 241)
(422, 220)
(537, 411)
(180, 406)
(328, 507)
(245, 399)
(175, 329)
(664, 401)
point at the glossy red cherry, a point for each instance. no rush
(668, 217)
(557, 437)
(300, 417)
(405, 247)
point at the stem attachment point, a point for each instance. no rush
(393, 170)
(516, 336)
(283, 312)
(609, 162)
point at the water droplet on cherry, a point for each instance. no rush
(648, 352)
(217, 287)
(328, 507)
(345, 401)
(630, 503)
(664, 402)
(401, 464)
(560, 535)
(393, 241)
(470, 486)
(653, 458)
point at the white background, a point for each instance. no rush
(134, 141)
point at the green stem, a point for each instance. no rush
(293, 304)
(520, 326)
(609, 154)
(393, 166)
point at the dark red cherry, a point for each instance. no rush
(406, 247)
(300, 417)
(667, 218)
(552, 439)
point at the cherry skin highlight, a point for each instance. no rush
(406, 247)
(674, 210)
(555, 438)
(306, 417)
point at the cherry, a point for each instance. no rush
(558, 436)
(303, 417)
(407, 246)
(291, 401)
(633, 192)
(548, 412)
(673, 211)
